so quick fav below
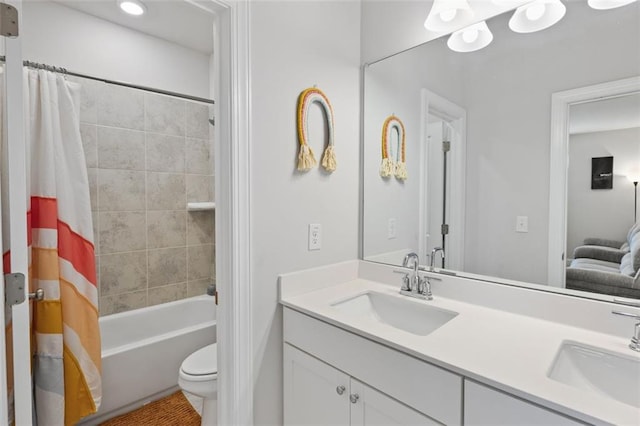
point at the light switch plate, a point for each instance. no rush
(522, 224)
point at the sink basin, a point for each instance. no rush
(596, 370)
(409, 315)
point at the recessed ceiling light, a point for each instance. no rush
(132, 7)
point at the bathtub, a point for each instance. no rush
(142, 351)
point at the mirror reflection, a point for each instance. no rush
(479, 150)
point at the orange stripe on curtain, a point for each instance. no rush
(76, 309)
(75, 384)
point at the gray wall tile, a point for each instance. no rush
(199, 188)
(164, 114)
(89, 92)
(122, 231)
(168, 293)
(121, 107)
(197, 120)
(120, 190)
(166, 228)
(167, 266)
(92, 175)
(122, 302)
(120, 149)
(165, 153)
(198, 157)
(197, 287)
(89, 136)
(165, 191)
(200, 228)
(149, 249)
(201, 263)
(123, 272)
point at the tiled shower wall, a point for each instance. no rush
(147, 156)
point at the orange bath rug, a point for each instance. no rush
(173, 410)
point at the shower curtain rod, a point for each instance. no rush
(64, 71)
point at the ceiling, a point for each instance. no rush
(622, 112)
(188, 23)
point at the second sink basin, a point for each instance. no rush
(597, 370)
(408, 315)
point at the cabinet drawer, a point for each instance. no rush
(486, 406)
(426, 388)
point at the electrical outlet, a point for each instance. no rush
(392, 229)
(315, 236)
(522, 224)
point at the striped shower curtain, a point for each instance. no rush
(60, 236)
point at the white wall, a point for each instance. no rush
(295, 45)
(602, 213)
(60, 36)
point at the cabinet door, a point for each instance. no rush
(485, 406)
(372, 408)
(314, 392)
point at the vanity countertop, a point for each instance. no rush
(505, 350)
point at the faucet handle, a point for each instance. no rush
(406, 281)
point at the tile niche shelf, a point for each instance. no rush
(201, 206)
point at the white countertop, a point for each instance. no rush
(505, 350)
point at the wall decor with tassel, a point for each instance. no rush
(306, 159)
(391, 166)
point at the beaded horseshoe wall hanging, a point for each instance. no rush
(393, 166)
(306, 159)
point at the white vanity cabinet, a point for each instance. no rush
(392, 387)
(486, 406)
(315, 393)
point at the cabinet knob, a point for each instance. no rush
(354, 398)
(340, 390)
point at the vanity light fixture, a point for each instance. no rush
(470, 39)
(608, 4)
(447, 15)
(537, 15)
(132, 7)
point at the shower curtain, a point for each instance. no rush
(66, 337)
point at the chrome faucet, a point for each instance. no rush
(413, 284)
(410, 282)
(635, 339)
(433, 257)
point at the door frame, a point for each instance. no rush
(23, 398)
(559, 162)
(457, 116)
(233, 230)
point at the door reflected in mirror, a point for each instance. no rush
(494, 205)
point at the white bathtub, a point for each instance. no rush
(142, 351)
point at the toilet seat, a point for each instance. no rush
(202, 365)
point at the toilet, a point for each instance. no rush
(199, 376)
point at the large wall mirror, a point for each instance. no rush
(482, 149)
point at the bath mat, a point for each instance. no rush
(173, 410)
